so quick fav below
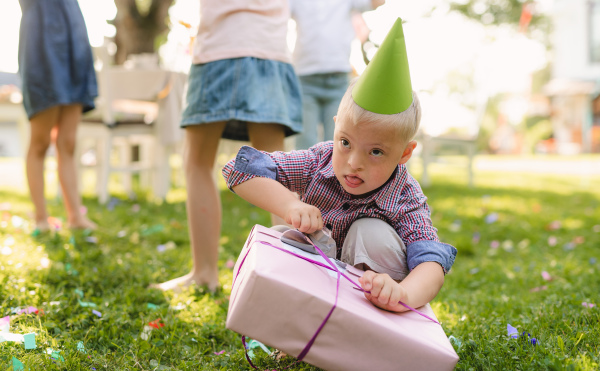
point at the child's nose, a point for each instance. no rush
(355, 161)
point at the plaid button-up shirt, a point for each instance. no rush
(399, 202)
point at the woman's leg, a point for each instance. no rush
(66, 137)
(268, 138)
(41, 127)
(203, 206)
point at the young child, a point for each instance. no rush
(358, 186)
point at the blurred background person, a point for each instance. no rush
(59, 83)
(321, 59)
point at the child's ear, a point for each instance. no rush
(408, 151)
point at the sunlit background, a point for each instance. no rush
(500, 83)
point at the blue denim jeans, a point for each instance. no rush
(321, 96)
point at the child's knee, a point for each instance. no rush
(373, 243)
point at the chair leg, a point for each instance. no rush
(161, 179)
(125, 163)
(103, 166)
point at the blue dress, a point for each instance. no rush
(55, 58)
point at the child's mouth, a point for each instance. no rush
(353, 181)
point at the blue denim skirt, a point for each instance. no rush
(243, 90)
(55, 58)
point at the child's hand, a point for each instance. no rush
(385, 292)
(306, 218)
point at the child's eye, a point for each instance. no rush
(345, 143)
(377, 152)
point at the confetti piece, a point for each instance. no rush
(17, 365)
(83, 210)
(81, 347)
(54, 354)
(55, 222)
(512, 332)
(29, 310)
(592, 260)
(230, 264)
(154, 229)
(476, 237)
(569, 246)
(152, 306)
(121, 234)
(112, 203)
(156, 324)
(554, 225)
(455, 226)
(91, 239)
(540, 288)
(552, 241)
(257, 344)
(494, 244)
(219, 353)
(546, 276)
(454, 340)
(29, 340)
(474, 271)
(146, 332)
(17, 221)
(579, 240)
(491, 218)
(533, 341)
(161, 248)
(5, 324)
(86, 303)
(97, 313)
(588, 305)
(507, 245)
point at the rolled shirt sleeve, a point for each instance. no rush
(292, 169)
(430, 251)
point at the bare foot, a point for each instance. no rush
(177, 284)
(83, 223)
(42, 225)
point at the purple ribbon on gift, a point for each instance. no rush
(332, 266)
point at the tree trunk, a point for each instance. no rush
(136, 32)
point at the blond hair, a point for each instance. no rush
(406, 122)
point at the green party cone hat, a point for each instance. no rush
(385, 87)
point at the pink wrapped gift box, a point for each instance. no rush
(281, 300)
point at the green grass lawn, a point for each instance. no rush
(528, 256)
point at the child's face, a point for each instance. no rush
(366, 155)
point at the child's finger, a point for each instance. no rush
(366, 280)
(314, 223)
(305, 223)
(378, 282)
(295, 220)
(385, 293)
